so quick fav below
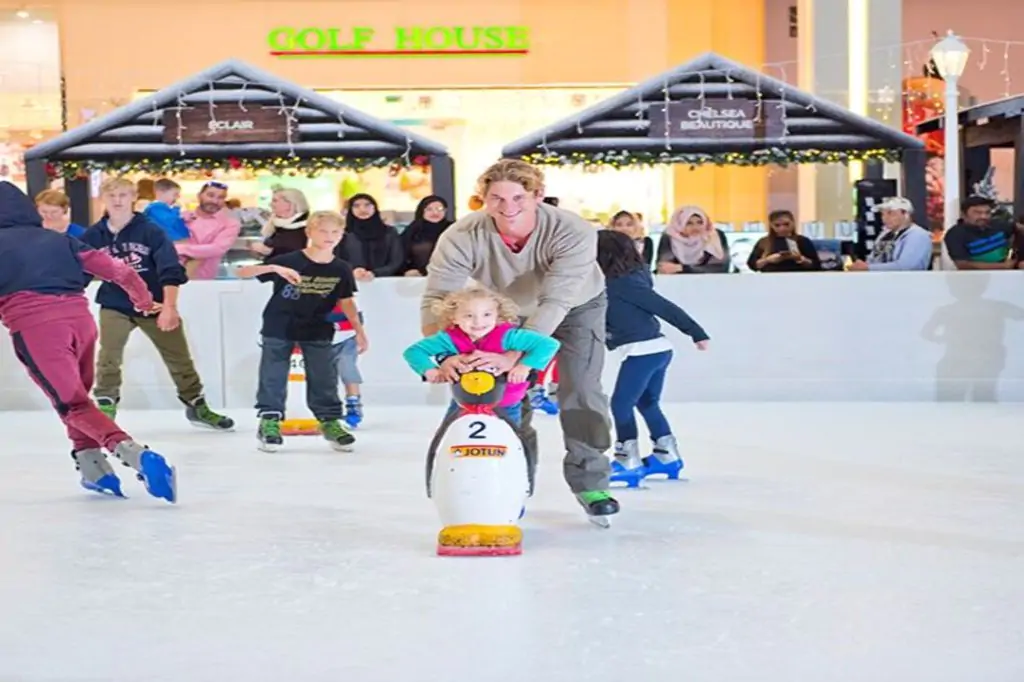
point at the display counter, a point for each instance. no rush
(780, 337)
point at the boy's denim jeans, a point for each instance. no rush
(321, 378)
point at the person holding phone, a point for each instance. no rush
(782, 249)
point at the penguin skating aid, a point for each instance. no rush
(479, 474)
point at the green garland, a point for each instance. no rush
(278, 166)
(763, 157)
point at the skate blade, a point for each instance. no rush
(269, 447)
(600, 521)
(343, 448)
(210, 427)
(106, 492)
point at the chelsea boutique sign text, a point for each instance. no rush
(402, 41)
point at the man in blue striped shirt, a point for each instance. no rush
(976, 243)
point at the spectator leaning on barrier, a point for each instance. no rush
(903, 244)
(213, 230)
(977, 243)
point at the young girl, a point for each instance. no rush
(478, 319)
(632, 328)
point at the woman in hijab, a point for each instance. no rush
(691, 244)
(383, 255)
(421, 235)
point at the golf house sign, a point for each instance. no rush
(402, 41)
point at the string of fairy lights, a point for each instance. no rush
(907, 58)
(290, 162)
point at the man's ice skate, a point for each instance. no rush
(627, 467)
(200, 414)
(269, 433)
(337, 435)
(599, 505)
(97, 474)
(353, 411)
(108, 406)
(541, 400)
(665, 459)
(152, 469)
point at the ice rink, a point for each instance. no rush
(832, 543)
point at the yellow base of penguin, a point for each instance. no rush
(477, 540)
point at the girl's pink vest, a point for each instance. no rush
(492, 343)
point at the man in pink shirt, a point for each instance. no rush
(214, 230)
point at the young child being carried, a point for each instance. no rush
(307, 286)
(477, 319)
(165, 213)
(632, 327)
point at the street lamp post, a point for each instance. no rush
(950, 58)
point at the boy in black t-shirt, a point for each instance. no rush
(307, 286)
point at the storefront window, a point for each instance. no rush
(29, 85)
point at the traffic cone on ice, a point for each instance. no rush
(300, 421)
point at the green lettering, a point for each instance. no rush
(492, 38)
(311, 39)
(438, 38)
(333, 43)
(280, 39)
(408, 38)
(361, 35)
(517, 38)
(463, 42)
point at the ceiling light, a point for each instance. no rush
(22, 14)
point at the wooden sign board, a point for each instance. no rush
(227, 124)
(717, 119)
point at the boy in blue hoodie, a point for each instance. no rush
(42, 302)
(130, 237)
(632, 327)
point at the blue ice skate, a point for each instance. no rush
(107, 485)
(96, 473)
(627, 466)
(665, 459)
(540, 400)
(160, 478)
(353, 412)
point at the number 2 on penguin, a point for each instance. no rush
(476, 430)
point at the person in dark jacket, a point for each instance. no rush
(381, 244)
(419, 237)
(133, 239)
(632, 328)
(43, 274)
(783, 250)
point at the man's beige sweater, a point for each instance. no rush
(555, 272)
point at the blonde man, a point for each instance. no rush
(130, 237)
(55, 209)
(545, 259)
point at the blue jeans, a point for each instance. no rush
(346, 361)
(638, 386)
(514, 412)
(321, 378)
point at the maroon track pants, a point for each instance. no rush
(60, 356)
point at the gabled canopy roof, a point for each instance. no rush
(993, 124)
(806, 128)
(326, 128)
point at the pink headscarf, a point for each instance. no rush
(691, 250)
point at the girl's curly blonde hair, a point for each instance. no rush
(447, 309)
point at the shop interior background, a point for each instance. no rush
(474, 122)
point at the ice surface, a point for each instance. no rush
(832, 543)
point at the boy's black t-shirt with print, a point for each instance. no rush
(299, 312)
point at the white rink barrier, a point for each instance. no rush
(780, 337)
